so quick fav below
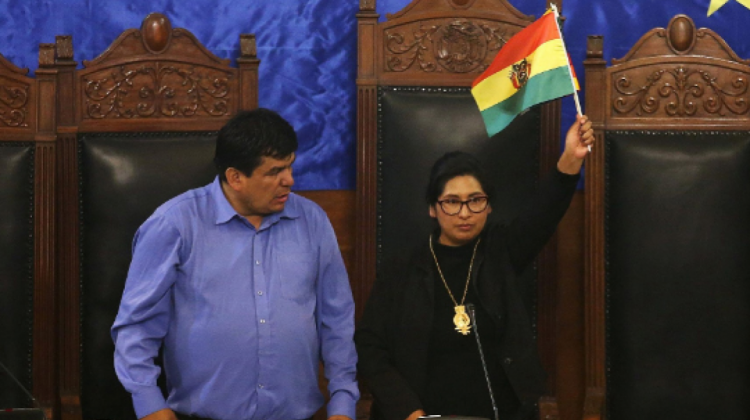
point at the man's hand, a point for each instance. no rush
(415, 415)
(165, 414)
(577, 142)
(339, 417)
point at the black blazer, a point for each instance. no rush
(393, 334)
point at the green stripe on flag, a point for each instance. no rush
(543, 87)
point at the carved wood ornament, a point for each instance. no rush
(683, 86)
(453, 38)
(159, 84)
(460, 46)
(160, 89)
(680, 92)
(14, 95)
(13, 100)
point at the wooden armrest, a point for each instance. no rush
(593, 404)
(548, 408)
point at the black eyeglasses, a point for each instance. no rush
(453, 206)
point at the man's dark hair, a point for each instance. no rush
(249, 137)
(451, 165)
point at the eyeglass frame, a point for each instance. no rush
(465, 203)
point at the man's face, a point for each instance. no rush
(267, 189)
(461, 228)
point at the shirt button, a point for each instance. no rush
(260, 293)
(508, 360)
(257, 262)
(262, 321)
(260, 386)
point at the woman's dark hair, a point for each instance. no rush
(251, 135)
(451, 165)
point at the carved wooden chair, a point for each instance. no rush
(414, 105)
(668, 218)
(27, 294)
(136, 127)
(141, 129)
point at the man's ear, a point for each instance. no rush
(433, 213)
(234, 178)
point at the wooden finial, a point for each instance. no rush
(248, 48)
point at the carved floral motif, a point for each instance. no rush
(683, 92)
(157, 90)
(455, 47)
(13, 101)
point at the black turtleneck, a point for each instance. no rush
(455, 383)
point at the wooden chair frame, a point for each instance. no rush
(27, 114)
(95, 99)
(397, 53)
(674, 78)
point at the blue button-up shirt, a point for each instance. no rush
(244, 315)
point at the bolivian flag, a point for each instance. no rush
(531, 68)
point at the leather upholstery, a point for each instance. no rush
(417, 126)
(678, 275)
(125, 177)
(16, 270)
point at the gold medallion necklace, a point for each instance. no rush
(461, 319)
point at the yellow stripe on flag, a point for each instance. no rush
(499, 87)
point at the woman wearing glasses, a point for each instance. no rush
(417, 350)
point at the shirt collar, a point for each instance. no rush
(225, 212)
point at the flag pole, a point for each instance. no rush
(565, 50)
(553, 6)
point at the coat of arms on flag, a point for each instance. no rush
(531, 68)
(519, 74)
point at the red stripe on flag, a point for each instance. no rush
(573, 73)
(522, 44)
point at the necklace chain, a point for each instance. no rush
(468, 276)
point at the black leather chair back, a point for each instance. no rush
(124, 178)
(416, 127)
(678, 275)
(16, 269)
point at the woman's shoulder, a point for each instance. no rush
(405, 264)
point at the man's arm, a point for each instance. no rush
(143, 317)
(335, 317)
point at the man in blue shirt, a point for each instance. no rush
(243, 285)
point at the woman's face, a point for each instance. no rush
(463, 227)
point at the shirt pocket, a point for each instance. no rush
(298, 272)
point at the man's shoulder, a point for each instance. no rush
(303, 206)
(191, 201)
